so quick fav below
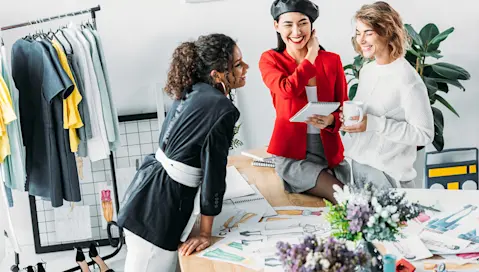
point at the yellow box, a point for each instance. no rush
(453, 186)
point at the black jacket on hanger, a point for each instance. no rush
(51, 168)
(197, 131)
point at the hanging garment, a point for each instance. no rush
(70, 183)
(14, 165)
(116, 125)
(98, 145)
(50, 165)
(71, 114)
(7, 115)
(84, 132)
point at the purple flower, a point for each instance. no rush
(313, 255)
(358, 215)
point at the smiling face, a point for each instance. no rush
(237, 77)
(294, 28)
(372, 45)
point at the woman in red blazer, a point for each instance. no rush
(308, 156)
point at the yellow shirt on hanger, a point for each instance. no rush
(71, 115)
(7, 115)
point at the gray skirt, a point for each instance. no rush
(363, 174)
(301, 175)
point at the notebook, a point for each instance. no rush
(319, 108)
(263, 163)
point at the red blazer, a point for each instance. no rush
(286, 81)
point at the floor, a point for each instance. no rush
(60, 261)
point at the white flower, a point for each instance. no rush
(384, 214)
(310, 262)
(392, 209)
(341, 195)
(374, 201)
(350, 245)
(395, 217)
(324, 263)
(378, 209)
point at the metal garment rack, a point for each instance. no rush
(118, 243)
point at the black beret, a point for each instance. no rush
(306, 7)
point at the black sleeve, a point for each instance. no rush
(214, 157)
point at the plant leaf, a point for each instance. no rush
(351, 79)
(438, 142)
(438, 119)
(349, 66)
(431, 86)
(445, 103)
(442, 87)
(415, 37)
(441, 36)
(414, 52)
(352, 91)
(450, 81)
(450, 71)
(427, 33)
(434, 54)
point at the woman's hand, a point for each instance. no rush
(313, 47)
(320, 121)
(359, 127)
(193, 244)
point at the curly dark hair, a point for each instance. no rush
(193, 62)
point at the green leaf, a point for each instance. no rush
(434, 54)
(358, 62)
(415, 53)
(438, 141)
(431, 86)
(415, 37)
(445, 103)
(349, 66)
(450, 81)
(442, 36)
(450, 71)
(442, 87)
(352, 91)
(411, 58)
(428, 32)
(438, 119)
(351, 79)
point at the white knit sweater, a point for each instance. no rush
(399, 118)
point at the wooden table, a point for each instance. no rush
(270, 185)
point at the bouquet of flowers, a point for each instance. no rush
(370, 214)
(316, 255)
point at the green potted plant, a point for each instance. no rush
(438, 76)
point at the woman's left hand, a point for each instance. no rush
(193, 244)
(320, 121)
(359, 127)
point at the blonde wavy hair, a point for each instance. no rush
(387, 23)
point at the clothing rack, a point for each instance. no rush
(118, 243)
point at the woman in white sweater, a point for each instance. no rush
(397, 111)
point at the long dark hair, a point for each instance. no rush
(193, 62)
(282, 45)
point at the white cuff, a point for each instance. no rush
(375, 123)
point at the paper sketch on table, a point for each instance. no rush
(450, 222)
(108, 207)
(443, 244)
(461, 259)
(411, 248)
(286, 228)
(255, 200)
(233, 214)
(72, 223)
(228, 250)
(272, 263)
(236, 185)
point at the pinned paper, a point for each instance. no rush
(72, 223)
